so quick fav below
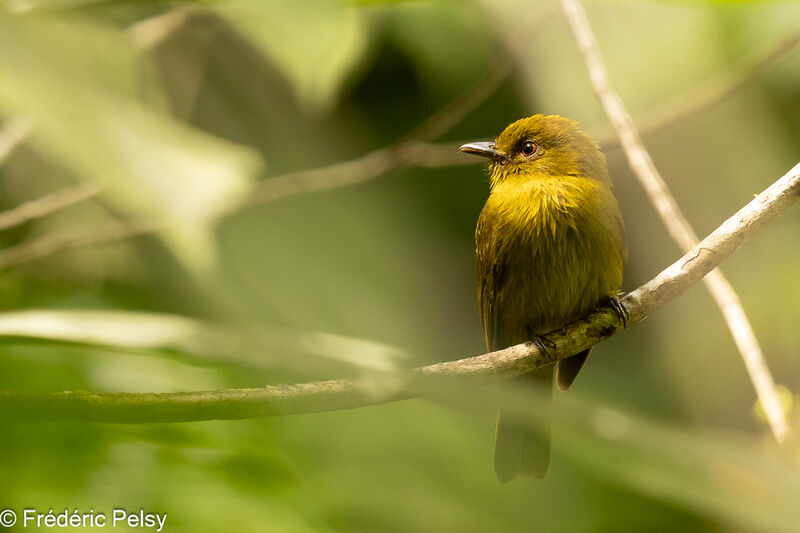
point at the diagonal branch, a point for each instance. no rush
(406, 151)
(47, 245)
(710, 92)
(724, 85)
(47, 204)
(348, 393)
(678, 227)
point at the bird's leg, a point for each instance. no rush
(619, 308)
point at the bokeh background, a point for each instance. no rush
(186, 268)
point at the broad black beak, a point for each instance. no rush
(485, 149)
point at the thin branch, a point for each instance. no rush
(47, 204)
(348, 394)
(355, 171)
(47, 245)
(454, 112)
(678, 227)
(350, 172)
(711, 92)
(412, 148)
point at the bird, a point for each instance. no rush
(550, 247)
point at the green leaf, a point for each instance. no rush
(80, 82)
(200, 341)
(316, 43)
(725, 476)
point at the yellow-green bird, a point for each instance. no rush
(550, 245)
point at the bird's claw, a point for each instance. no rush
(619, 308)
(546, 347)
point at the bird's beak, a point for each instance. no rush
(485, 149)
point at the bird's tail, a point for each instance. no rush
(567, 369)
(522, 447)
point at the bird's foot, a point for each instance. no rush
(619, 308)
(547, 347)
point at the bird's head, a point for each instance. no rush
(541, 147)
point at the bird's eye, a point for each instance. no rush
(528, 148)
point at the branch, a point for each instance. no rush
(709, 93)
(454, 112)
(678, 227)
(47, 245)
(410, 149)
(47, 204)
(333, 395)
(359, 170)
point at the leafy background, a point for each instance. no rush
(180, 110)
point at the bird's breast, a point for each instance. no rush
(559, 252)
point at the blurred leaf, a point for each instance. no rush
(200, 341)
(727, 476)
(109, 328)
(79, 83)
(316, 43)
(447, 61)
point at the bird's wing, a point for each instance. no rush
(522, 445)
(491, 275)
(622, 240)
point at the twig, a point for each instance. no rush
(412, 148)
(725, 85)
(332, 395)
(317, 179)
(710, 92)
(35, 249)
(355, 171)
(46, 204)
(454, 112)
(677, 225)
